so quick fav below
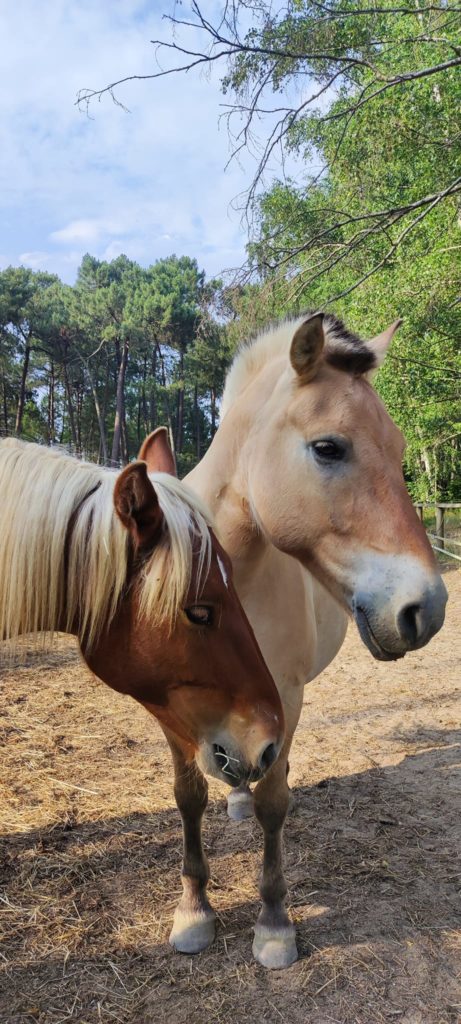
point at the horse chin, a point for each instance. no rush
(368, 637)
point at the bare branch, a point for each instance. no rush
(366, 11)
(398, 241)
(410, 76)
(385, 217)
(276, 51)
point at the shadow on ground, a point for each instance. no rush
(374, 882)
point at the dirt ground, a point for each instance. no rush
(91, 850)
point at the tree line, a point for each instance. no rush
(97, 365)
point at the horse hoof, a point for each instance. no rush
(240, 805)
(275, 948)
(192, 931)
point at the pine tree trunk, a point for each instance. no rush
(103, 413)
(5, 407)
(143, 428)
(22, 392)
(213, 411)
(197, 423)
(124, 440)
(180, 406)
(139, 418)
(51, 404)
(73, 432)
(167, 402)
(101, 425)
(152, 397)
(78, 410)
(119, 406)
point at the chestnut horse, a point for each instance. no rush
(304, 480)
(127, 562)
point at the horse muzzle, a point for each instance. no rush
(393, 620)
(226, 762)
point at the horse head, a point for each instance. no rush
(195, 665)
(326, 485)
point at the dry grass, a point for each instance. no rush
(91, 850)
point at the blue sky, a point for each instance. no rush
(147, 183)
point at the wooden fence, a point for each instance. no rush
(439, 536)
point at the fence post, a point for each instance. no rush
(440, 525)
(419, 510)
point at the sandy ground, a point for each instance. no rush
(91, 842)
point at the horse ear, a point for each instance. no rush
(307, 347)
(136, 504)
(157, 452)
(380, 344)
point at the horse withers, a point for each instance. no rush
(127, 561)
(304, 479)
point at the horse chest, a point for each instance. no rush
(279, 603)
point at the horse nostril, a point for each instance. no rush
(268, 757)
(227, 765)
(407, 623)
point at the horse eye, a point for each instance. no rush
(200, 614)
(328, 451)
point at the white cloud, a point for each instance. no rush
(84, 232)
(35, 260)
(147, 183)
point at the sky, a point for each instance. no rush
(147, 183)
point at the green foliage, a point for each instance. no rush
(371, 228)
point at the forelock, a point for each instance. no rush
(345, 350)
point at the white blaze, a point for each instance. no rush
(223, 570)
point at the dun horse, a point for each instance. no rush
(128, 563)
(304, 479)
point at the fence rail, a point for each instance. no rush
(440, 508)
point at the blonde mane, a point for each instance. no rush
(341, 347)
(64, 551)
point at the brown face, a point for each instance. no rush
(219, 692)
(204, 679)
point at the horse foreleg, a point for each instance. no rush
(274, 943)
(275, 939)
(194, 920)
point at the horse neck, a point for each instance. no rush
(222, 480)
